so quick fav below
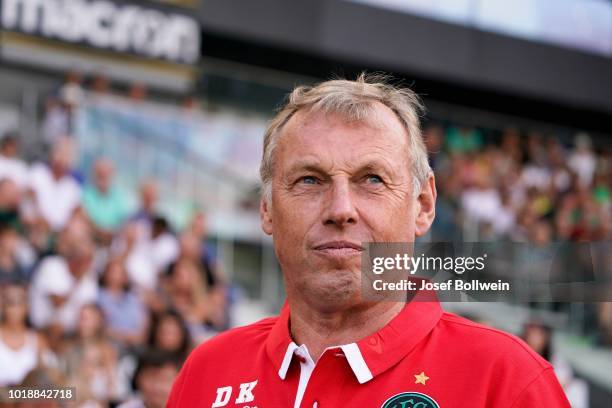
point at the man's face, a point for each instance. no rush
(103, 175)
(337, 185)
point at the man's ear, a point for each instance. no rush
(426, 206)
(265, 215)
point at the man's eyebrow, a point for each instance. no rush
(374, 166)
(305, 165)
(313, 166)
(370, 166)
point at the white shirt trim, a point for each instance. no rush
(357, 363)
(282, 372)
(351, 352)
(307, 366)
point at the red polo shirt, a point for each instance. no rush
(424, 358)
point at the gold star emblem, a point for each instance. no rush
(421, 378)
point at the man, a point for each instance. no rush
(103, 201)
(62, 284)
(56, 193)
(344, 164)
(144, 216)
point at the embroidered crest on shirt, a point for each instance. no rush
(410, 400)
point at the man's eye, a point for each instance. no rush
(373, 178)
(308, 180)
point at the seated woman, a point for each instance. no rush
(125, 313)
(91, 359)
(169, 334)
(21, 348)
(187, 293)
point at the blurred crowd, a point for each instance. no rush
(523, 187)
(62, 102)
(110, 299)
(96, 294)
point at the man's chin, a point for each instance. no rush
(326, 264)
(333, 289)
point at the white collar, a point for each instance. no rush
(351, 352)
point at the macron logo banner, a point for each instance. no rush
(104, 24)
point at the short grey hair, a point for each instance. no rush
(354, 101)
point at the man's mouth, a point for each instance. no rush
(339, 249)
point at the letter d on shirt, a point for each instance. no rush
(223, 396)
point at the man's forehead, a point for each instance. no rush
(374, 115)
(380, 126)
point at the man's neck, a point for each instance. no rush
(319, 330)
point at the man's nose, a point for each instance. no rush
(340, 209)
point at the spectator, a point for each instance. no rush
(561, 177)
(11, 166)
(21, 348)
(481, 203)
(433, 135)
(103, 202)
(126, 315)
(10, 200)
(91, 360)
(153, 379)
(195, 248)
(604, 321)
(143, 218)
(169, 333)
(138, 92)
(164, 245)
(505, 219)
(12, 270)
(539, 337)
(511, 144)
(40, 239)
(56, 193)
(56, 121)
(63, 283)
(463, 139)
(536, 174)
(190, 104)
(100, 85)
(582, 160)
(147, 256)
(602, 190)
(188, 295)
(71, 92)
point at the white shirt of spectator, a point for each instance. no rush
(54, 278)
(576, 389)
(56, 199)
(504, 221)
(165, 250)
(481, 205)
(56, 124)
(535, 176)
(14, 169)
(583, 163)
(16, 364)
(149, 258)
